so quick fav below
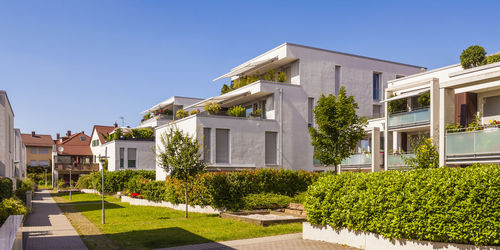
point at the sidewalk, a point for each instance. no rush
(278, 242)
(48, 228)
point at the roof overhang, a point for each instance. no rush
(408, 94)
(250, 66)
(162, 105)
(229, 97)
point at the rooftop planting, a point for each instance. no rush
(270, 76)
(136, 133)
(475, 56)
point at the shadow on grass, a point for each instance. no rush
(144, 239)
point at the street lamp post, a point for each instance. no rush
(102, 159)
(71, 168)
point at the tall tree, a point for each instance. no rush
(338, 128)
(181, 157)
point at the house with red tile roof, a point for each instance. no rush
(38, 149)
(72, 152)
(97, 139)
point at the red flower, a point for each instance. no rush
(133, 195)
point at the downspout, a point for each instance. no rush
(281, 127)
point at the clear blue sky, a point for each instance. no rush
(67, 65)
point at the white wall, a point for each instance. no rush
(7, 137)
(145, 156)
(99, 150)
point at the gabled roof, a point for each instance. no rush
(74, 145)
(100, 130)
(37, 140)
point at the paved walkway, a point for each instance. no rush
(278, 242)
(48, 228)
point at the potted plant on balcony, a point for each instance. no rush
(424, 100)
(399, 105)
(256, 113)
(237, 111)
(181, 113)
(281, 76)
(212, 108)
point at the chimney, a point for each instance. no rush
(32, 133)
(58, 136)
(68, 134)
(115, 125)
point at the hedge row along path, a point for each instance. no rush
(47, 227)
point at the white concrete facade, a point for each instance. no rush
(173, 104)
(144, 155)
(19, 156)
(288, 105)
(7, 137)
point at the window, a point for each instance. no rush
(263, 109)
(310, 114)
(131, 160)
(337, 79)
(206, 144)
(32, 150)
(376, 86)
(43, 163)
(222, 145)
(376, 111)
(33, 163)
(43, 150)
(83, 138)
(95, 143)
(122, 157)
(248, 111)
(271, 148)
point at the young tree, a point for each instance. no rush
(181, 157)
(426, 153)
(339, 128)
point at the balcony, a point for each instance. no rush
(396, 161)
(476, 146)
(409, 119)
(78, 168)
(357, 160)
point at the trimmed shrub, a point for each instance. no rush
(11, 206)
(459, 205)
(493, 58)
(181, 113)
(114, 181)
(265, 201)
(143, 133)
(473, 56)
(237, 111)
(24, 186)
(6, 187)
(300, 198)
(212, 108)
(84, 182)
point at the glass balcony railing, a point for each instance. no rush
(396, 161)
(479, 142)
(358, 159)
(416, 117)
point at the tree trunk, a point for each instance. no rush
(186, 199)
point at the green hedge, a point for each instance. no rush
(265, 201)
(225, 189)
(11, 206)
(459, 205)
(114, 181)
(6, 188)
(24, 186)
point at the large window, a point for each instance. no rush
(43, 163)
(206, 144)
(310, 114)
(376, 86)
(122, 157)
(32, 150)
(271, 148)
(131, 157)
(43, 150)
(221, 145)
(33, 163)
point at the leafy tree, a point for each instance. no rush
(426, 154)
(339, 128)
(181, 157)
(473, 56)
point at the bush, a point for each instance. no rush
(265, 201)
(143, 133)
(300, 197)
(181, 113)
(473, 56)
(11, 206)
(493, 58)
(6, 187)
(398, 105)
(226, 190)
(84, 182)
(424, 100)
(24, 186)
(281, 76)
(212, 108)
(193, 112)
(113, 181)
(459, 205)
(426, 155)
(237, 111)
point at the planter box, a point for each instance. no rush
(368, 241)
(181, 207)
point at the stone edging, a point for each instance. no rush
(182, 207)
(368, 241)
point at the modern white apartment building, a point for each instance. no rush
(19, 156)
(274, 131)
(454, 96)
(7, 137)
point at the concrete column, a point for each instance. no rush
(396, 141)
(434, 111)
(375, 148)
(446, 115)
(386, 130)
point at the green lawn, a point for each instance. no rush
(153, 227)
